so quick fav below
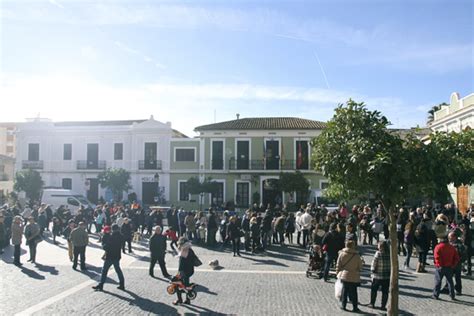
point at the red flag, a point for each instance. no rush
(299, 160)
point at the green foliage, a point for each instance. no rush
(256, 197)
(433, 110)
(293, 182)
(207, 186)
(29, 181)
(115, 179)
(358, 154)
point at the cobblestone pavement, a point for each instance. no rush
(271, 284)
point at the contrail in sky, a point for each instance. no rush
(322, 70)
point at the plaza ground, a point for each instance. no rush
(270, 284)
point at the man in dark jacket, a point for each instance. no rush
(158, 251)
(112, 246)
(331, 244)
(126, 231)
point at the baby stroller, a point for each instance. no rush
(316, 261)
(176, 284)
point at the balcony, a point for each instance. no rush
(267, 164)
(91, 165)
(149, 165)
(32, 164)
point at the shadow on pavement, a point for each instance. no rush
(201, 310)
(44, 268)
(32, 274)
(145, 304)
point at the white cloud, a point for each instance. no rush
(65, 97)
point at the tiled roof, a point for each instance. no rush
(266, 123)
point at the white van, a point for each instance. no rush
(58, 197)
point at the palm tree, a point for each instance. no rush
(433, 110)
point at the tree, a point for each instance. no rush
(115, 179)
(294, 182)
(358, 154)
(433, 110)
(195, 186)
(29, 181)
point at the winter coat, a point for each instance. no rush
(233, 231)
(113, 246)
(31, 231)
(186, 265)
(79, 237)
(157, 246)
(17, 234)
(349, 265)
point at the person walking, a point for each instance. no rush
(380, 269)
(461, 249)
(446, 258)
(33, 237)
(233, 234)
(67, 235)
(17, 233)
(290, 227)
(126, 231)
(305, 222)
(409, 237)
(112, 245)
(158, 251)
(80, 240)
(422, 242)
(348, 267)
(331, 246)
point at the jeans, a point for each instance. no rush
(376, 284)
(105, 269)
(16, 254)
(349, 289)
(161, 262)
(457, 280)
(409, 252)
(305, 237)
(129, 242)
(439, 274)
(32, 245)
(79, 251)
(327, 265)
(236, 245)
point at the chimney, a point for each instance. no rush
(238, 115)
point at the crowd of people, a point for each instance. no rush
(336, 233)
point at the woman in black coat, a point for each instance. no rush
(422, 243)
(187, 260)
(233, 233)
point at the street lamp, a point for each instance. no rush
(201, 197)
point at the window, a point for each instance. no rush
(217, 199)
(183, 191)
(242, 194)
(67, 183)
(217, 155)
(67, 153)
(301, 151)
(118, 151)
(33, 152)
(184, 154)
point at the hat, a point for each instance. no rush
(106, 229)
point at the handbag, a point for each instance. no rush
(338, 289)
(196, 261)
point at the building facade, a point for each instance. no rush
(7, 172)
(72, 154)
(7, 139)
(244, 156)
(456, 117)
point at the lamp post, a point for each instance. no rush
(201, 197)
(156, 177)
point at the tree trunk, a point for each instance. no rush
(393, 305)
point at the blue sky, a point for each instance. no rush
(195, 61)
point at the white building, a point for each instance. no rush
(72, 154)
(456, 117)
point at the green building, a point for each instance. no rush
(244, 156)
